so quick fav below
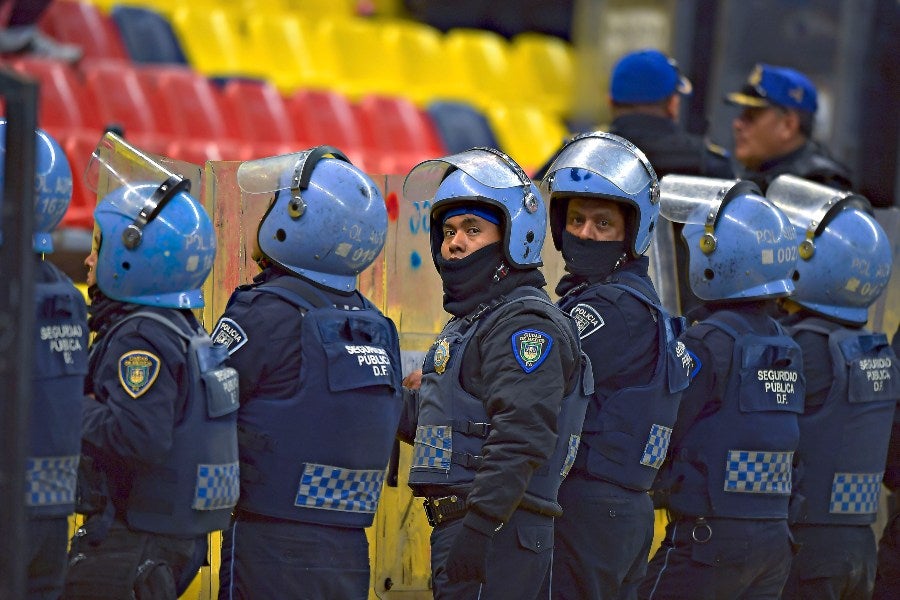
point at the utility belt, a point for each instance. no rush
(443, 509)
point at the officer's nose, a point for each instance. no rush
(457, 243)
(587, 231)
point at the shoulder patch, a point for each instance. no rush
(138, 370)
(531, 347)
(717, 149)
(587, 319)
(229, 334)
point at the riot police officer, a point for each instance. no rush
(604, 204)
(852, 387)
(320, 383)
(727, 480)
(58, 370)
(773, 132)
(646, 91)
(888, 572)
(496, 422)
(159, 440)
(645, 94)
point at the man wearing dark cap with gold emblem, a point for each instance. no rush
(773, 132)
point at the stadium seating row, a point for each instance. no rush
(295, 47)
(167, 106)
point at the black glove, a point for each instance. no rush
(467, 560)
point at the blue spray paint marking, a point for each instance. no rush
(415, 260)
(420, 221)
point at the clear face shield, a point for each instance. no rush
(487, 166)
(810, 206)
(699, 200)
(289, 172)
(607, 156)
(115, 163)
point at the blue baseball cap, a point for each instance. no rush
(645, 77)
(776, 86)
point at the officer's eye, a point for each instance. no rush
(473, 231)
(449, 233)
(576, 220)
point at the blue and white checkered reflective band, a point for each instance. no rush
(433, 447)
(571, 453)
(50, 480)
(657, 445)
(855, 493)
(757, 472)
(218, 486)
(334, 488)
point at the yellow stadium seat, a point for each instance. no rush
(527, 133)
(361, 63)
(214, 42)
(479, 61)
(318, 8)
(543, 69)
(418, 51)
(290, 53)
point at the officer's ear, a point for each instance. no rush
(672, 106)
(791, 122)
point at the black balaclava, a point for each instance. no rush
(480, 278)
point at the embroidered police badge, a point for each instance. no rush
(531, 347)
(229, 334)
(441, 355)
(137, 371)
(587, 319)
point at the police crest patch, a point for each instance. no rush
(441, 355)
(138, 370)
(587, 319)
(531, 347)
(229, 334)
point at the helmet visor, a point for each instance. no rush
(625, 166)
(688, 199)
(116, 163)
(809, 205)
(487, 166)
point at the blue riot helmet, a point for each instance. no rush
(488, 176)
(328, 220)
(157, 242)
(603, 165)
(52, 187)
(844, 254)
(741, 246)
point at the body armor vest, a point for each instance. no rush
(194, 489)
(737, 462)
(320, 456)
(58, 370)
(453, 424)
(627, 430)
(843, 445)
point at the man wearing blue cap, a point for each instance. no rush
(645, 94)
(772, 134)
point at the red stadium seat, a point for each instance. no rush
(261, 116)
(326, 117)
(64, 104)
(84, 25)
(400, 133)
(81, 209)
(123, 99)
(191, 114)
